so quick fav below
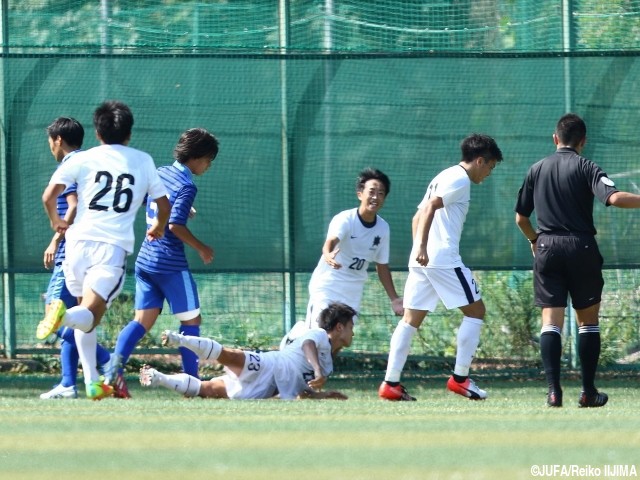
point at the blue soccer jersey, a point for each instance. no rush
(167, 254)
(63, 206)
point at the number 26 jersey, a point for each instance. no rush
(113, 181)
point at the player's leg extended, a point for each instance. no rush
(205, 348)
(181, 382)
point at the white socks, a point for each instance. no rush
(468, 340)
(181, 382)
(87, 343)
(399, 348)
(79, 318)
(205, 348)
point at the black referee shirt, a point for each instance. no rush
(561, 189)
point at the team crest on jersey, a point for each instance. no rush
(376, 243)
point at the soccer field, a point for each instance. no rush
(160, 435)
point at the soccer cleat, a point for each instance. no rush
(468, 389)
(170, 338)
(598, 399)
(148, 376)
(60, 392)
(554, 398)
(120, 389)
(394, 393)
(111, 368)
(52, 320)
(98, 390)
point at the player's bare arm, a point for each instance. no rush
(422, 222)
(49, 200)
(50, 251)
(311, 353)
(205, 252)
(329, 251)
(160, 221)
(384, 274)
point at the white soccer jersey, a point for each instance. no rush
(112, 183)
(443, 247)
(293, 370)
(359, 245)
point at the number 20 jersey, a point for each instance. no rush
(360, 244)
(112, 183)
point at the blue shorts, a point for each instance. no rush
(57, 289)
(178, 289)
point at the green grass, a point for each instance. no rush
(160, 435)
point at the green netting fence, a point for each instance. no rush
(303, 95)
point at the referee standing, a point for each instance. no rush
(567, 261)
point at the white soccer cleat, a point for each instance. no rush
(170, 338)
(148, 376)
(60, 392)
(468, 389)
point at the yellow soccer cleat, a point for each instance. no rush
(52, 320)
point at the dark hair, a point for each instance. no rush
(571, 130)
(113, 122)
(334, 314)
(68, 129)
(479, 145)
(372, 174)
(195, 143)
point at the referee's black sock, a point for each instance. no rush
(551, 353)
(589, 353)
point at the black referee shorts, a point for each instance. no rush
(567, 265)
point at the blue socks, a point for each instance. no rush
(190, 360)
(127, 340)
(69, 357)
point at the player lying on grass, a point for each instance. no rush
(298, 371)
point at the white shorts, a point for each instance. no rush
(96, 266)
(456, 287)
(257, 379)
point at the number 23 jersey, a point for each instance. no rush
(113, 181)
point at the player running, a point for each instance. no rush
(65, 136)
(113, 180)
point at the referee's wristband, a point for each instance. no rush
(533, 242)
